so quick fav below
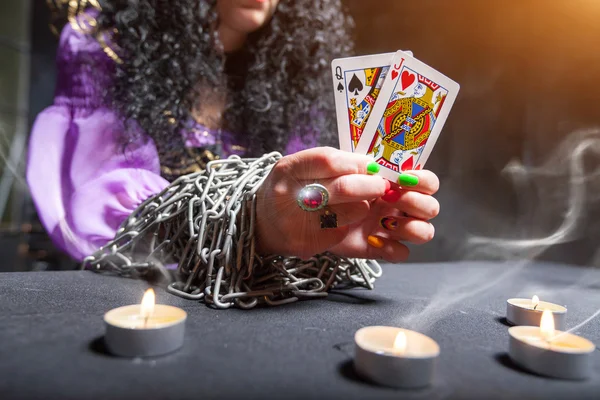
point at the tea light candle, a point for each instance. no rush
(529, 312)
(551, 353)
(395, 357)
(144, 330)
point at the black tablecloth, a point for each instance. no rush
(51, 337)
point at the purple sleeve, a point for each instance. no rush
(83, 180)
(296, 143)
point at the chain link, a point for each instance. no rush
(204, 223)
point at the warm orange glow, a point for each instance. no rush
(148, 301)
(535, 301)
(400, 343)
(547, 325)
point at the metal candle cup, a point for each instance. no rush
(522, 312)
(143, 330)
(377, 360)
(564, 356)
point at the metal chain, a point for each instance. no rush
(204, 222)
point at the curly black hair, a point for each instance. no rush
(173, 63)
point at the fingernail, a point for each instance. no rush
(408, 180)
(391, 196)
(389, 223)
(388, 185)
(375, 242)
(373, 168)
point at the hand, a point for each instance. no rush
(282, 227)
(402, 214)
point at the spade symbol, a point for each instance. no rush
(355, 85)
(340, 87)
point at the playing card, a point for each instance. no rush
(406, 120)
(356, 84)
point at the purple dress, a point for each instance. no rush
(82, 181)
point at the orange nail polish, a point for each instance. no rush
(375, 242)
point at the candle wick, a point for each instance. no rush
(146, 321)
(534, 307)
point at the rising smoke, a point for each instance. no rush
(564, 184)
(564, 189)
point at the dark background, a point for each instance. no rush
(530, 80)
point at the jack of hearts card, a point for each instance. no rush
(408, 116)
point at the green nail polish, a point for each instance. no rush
(373, 168)
(408, 180)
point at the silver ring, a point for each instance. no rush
(313, 197)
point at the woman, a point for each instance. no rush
(148, 90)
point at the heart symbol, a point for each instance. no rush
(408, 164)
(407, 79)
(394, 74)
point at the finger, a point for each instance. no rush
(380, 248)
(406, 229)
(350, 213)
(415, 204)
(419, 181)
(373, 247)
(324, 162)
(353, 188)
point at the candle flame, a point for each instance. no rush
(148, 301)
(535, 301)
(400, 343)
(547, 325)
